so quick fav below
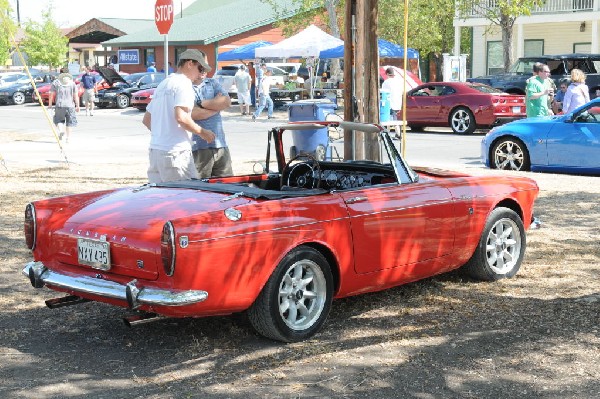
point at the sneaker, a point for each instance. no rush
(91, 114)
(270, 117)
(253, 118)
(60, 135)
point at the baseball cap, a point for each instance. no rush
(195, 55)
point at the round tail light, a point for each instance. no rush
(30, 226)
(167, 248)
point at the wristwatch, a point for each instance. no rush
(200, 103)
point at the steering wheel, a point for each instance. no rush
(306, 174)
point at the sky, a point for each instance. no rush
(69, 13)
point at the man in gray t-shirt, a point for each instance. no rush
(67, 102)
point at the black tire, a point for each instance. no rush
(18, 98)
(122, 101)
(415, 128)
(510, 153)
(283, 311)
(501, 247)
(462, 121)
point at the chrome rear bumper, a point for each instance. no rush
(39, 275)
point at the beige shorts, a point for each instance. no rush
(88, 96)
(243, 98)
(171, 166)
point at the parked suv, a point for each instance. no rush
(560, 68)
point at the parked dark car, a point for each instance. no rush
(21, 91)
(514, 80)
(122, 87)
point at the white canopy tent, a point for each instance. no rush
(307, 43)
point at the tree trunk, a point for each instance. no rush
(506, 24)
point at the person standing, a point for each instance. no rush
(264, 96)
(242, 83)
(152, 67)
(169, 119)
(88, 82)
(252, 73)
(395, 86)
(64, 90)
(212, 159)
(577, 93)
(537, 91)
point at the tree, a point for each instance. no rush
(44, 43)
(502, 13)
(9, 28)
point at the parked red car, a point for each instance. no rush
(461, 106)
(279, 245)
(44, 90)
(141, 99)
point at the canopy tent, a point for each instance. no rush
(386, 50)
(245, 52)
(307, 43)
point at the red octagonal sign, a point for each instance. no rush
(163, 15)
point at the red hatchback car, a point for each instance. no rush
(461, 106)
(279, 244)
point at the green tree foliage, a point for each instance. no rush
(501, 13)
(8, 28)
(44, 43)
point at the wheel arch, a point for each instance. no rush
(512, 205)
(331, 259)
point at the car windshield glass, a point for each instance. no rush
(485, 89)
(522, 67)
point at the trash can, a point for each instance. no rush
(384, 106)
(314, 142)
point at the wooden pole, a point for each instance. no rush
(349, 115)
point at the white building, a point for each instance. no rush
(556, 27)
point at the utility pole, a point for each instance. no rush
(361, 77)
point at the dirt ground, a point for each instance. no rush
(533, 336)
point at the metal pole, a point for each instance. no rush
(166, 51)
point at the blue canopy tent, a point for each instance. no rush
(245, 52)
(386, 50)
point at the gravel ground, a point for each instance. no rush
(533, 336)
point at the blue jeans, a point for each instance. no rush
(262, 102)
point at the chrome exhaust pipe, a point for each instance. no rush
(141, 318)
(65, 301)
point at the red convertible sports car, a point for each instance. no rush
(280, 244)
(462, 106)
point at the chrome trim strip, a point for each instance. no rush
(37, 271)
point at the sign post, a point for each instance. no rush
(163, 16)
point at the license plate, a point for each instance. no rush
(93, 253)
(516, 110)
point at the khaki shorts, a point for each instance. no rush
(243, 98)
(213, 162)
(88, 96)
(170, 166)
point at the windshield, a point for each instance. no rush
(523, 66)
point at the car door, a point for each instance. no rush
(423, 105)
(577, 143)
(400, 225)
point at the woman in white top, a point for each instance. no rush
(577, 93)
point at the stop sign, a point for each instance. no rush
(163, 15)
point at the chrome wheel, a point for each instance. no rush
(510, 155)
(18, 98)
(122, 101)
(295, 301)
(503, 246)
(462, 121)
(302, 295)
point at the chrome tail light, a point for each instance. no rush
(30, 226)
(167, 248)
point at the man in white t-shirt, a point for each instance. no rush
(168, 117)
(264, 96)
(242, 83)
(395, 86)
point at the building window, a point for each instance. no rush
(149, 56)
(584, 48)
(533, 48)
(495, 62)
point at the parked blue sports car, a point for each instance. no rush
(565, 143)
